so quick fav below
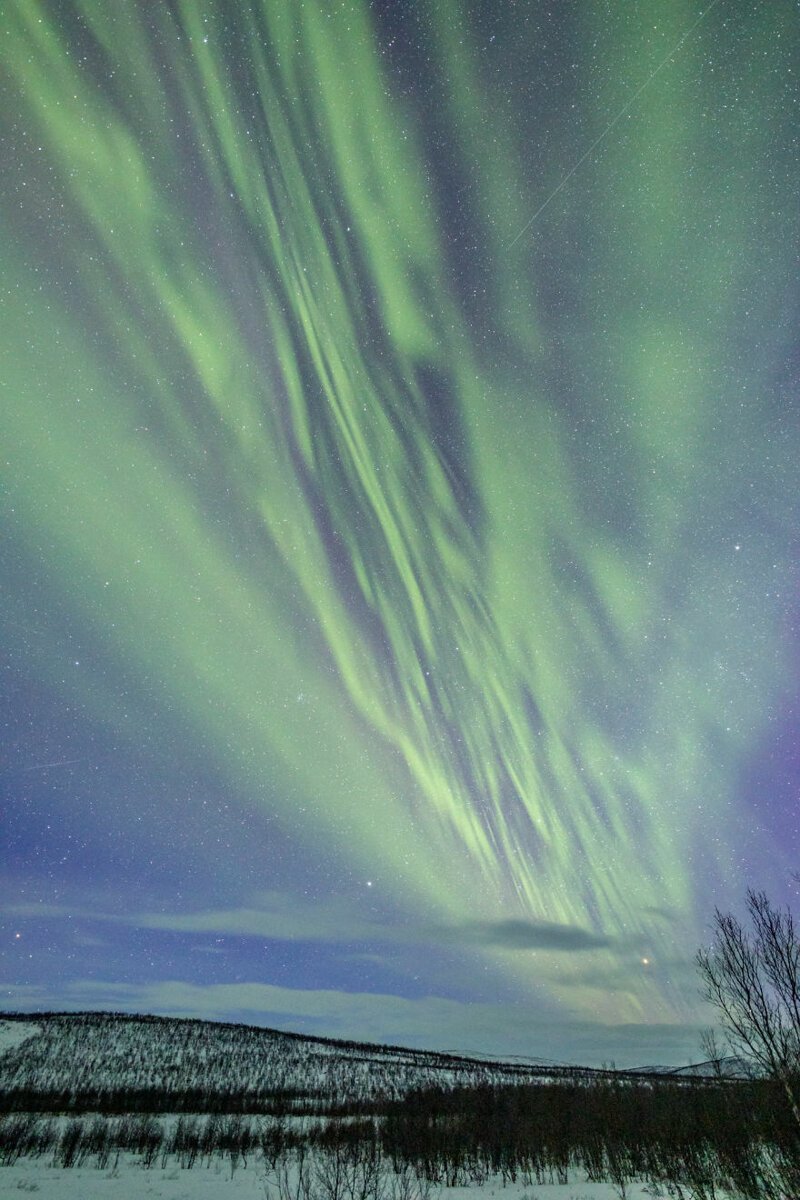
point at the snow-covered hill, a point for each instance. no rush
(160, 1094)
(117, 1062)
(107, 1060)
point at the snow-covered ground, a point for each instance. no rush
(75, 1061)
(14, 1033)
(130, 1181)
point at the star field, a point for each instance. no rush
(400, 568)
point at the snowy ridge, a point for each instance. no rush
(146, 1063)
(80, 1059)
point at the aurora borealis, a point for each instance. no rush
(400, 557)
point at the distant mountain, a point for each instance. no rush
(728, 1068)
(116, 1062)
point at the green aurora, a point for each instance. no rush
(459, 554)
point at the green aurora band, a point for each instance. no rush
(433, 528)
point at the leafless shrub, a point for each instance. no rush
(753, 980)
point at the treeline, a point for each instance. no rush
(736, 1135)
(347, 1166)
(686, 1140)
(210, 1097)
(120, 1100)
(100, 1141)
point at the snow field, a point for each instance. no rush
(130, 1181)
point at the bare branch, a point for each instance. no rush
(753, 980)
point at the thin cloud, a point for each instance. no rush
(277, 917)
(534, 935)
(273, 916)
(280, 916)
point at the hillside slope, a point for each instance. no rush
(113, 1061)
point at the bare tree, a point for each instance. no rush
(752, 977)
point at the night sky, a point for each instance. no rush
(400, 440)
